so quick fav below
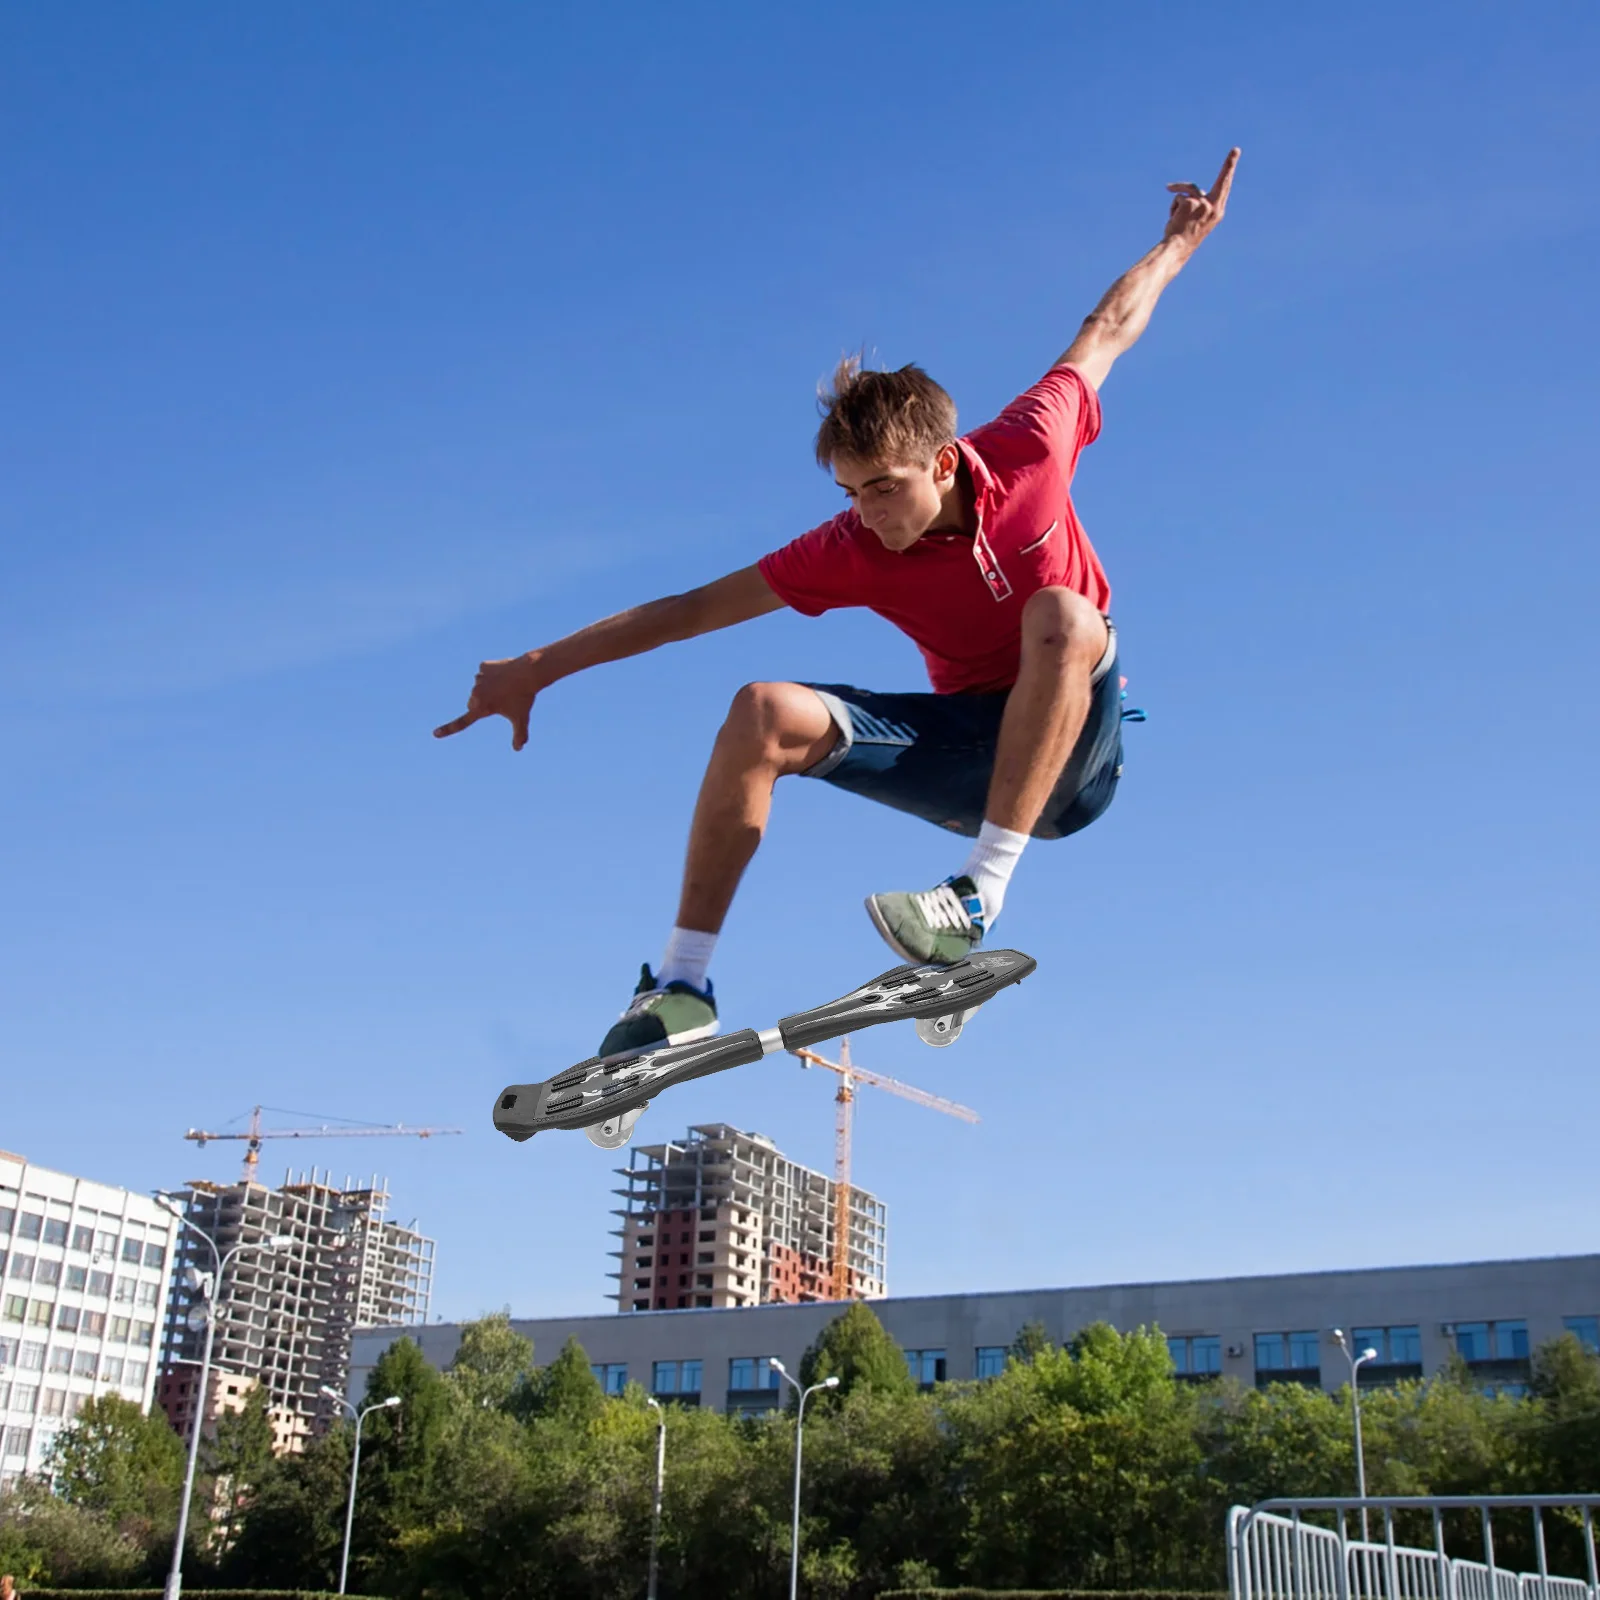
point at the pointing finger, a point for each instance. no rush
(519, 730)
(465, 720)
(1219, 190)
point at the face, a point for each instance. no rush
(899, 501)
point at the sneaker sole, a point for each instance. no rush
(688, 1036)
(888, 937)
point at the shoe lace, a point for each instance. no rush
(941, 907)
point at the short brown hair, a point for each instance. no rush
(901, 416)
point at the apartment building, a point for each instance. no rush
(86, 1270)
(1255, 1330)
(722, 1219)
(285, 1317)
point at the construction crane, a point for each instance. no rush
(256, 1133)
(843, 1118)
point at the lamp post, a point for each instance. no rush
(209, 1287)
(799, 1438)
(661, 1478)
(355, 1467)
(1356, 1363)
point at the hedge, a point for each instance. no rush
(29, 1592)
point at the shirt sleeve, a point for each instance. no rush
(817, 572)
(1061, 412)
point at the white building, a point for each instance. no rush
(87, 1269)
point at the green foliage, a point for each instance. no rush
(239, 1458)
(857, 1349)
(1077, 1471)
(1031, 1341)
(128, 1468)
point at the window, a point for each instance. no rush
(105, 1244)
(148, 1293)
(135, 1374)
(646, 1240)
(641, 1283)
(1270, 1354)
(24, 1398)
(100, 1285)
(708, 1238)
(1492, 1341)
(690, 1373)
(61, 1359)
(77, 1278)
(32, 1356)
(664, 1377)
(21, 1268)
(83, 1239)
(48, 1273)
(613, 1375)
(55, 1230)
(989, 1360)
(1288, 1352)
(132, 1249)
(16, 1308)
(1395, 1346)
(111, 1369)
(119, 1329)
(84, 1363)
(752, 1372)
(5, 1396)
(67, 1319)
(155, 1255)
(18, 1440)
(927, 1366)
(145, 1333)
(641, 1305)
(55, 1403)
(1196, 1355)
(30, 1226)
(8, 1353)
(124, 1294)
(75, 1403)
(8, 1218)
(1586, 1330)
(41, 1312)
(705, 1258)
(94, 1323)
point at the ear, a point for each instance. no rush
(947, 460)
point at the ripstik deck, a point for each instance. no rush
(599, 1091)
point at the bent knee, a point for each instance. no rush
(778, 717)
(1064, 623)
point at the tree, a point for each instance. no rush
(858, 1350)
(239, 1457)
(567, 1389)
(493, 1364)
(289, 1535)
(47, 1540)
(114, 1460)
(1031, 1341)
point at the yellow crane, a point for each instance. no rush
(255, 1133)
(850, 1075)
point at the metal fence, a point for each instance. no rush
(1274, 1553)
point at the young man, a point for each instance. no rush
(970, 546)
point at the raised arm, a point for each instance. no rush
(508, 688)
(1116, 323)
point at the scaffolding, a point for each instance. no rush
(746, 1226)
(285, 1317)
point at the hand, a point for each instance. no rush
(501, 689)
(1194, 212)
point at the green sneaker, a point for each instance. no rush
(675, 1014)
(941, 924)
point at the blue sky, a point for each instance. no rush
(345, 346)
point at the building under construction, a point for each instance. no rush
(285, 1316)
(723, 1218)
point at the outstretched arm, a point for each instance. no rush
(508, 688)
(1116, 323)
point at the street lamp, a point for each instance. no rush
(799, 1436)
(355, 1467)
(661, 1476)
(208, 1285)
(1356, 1362)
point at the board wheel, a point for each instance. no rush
(615, 1131)
(940, 1031)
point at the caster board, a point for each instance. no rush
(604, 1096)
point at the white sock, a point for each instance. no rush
(687, 956)
(994, 858)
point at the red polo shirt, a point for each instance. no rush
(961, 599)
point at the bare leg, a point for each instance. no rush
(772, 729)
(1063, 640)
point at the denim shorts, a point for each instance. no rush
(933, 754)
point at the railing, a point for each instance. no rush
(1274, 1554)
